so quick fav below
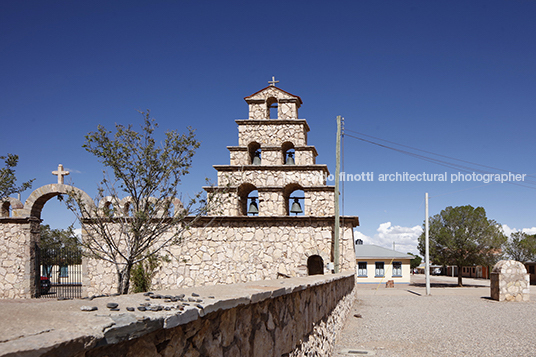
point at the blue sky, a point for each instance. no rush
(455, 78)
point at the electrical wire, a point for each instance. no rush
(452, 165)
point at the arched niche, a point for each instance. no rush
(246, 192)
(254, 149)
(293, 193)
(110, 206)
(126, 206)
(8, 205)
(272, 108)
(288, 151)
(315, 265)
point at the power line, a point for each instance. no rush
(429, 152)
(437, 161)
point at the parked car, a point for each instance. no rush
(45, 285)
(436, 271)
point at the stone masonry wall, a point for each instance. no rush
(510, 281)
(237, 251)
(272, 132)
(275, 177)
(302, 318)
(14, 252)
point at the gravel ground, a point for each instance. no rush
(451, 322)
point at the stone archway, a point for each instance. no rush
(21, 240)
(37, 199)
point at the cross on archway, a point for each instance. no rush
(60, 173)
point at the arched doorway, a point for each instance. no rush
(55, 270)
(315, 265)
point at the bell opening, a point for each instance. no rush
(253, 207)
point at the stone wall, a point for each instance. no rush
(295, 317)
(17, 256)
(510, 281)
(304, 320)
(273, 132)
(237, 250)
(305, 176)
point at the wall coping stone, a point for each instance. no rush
(315, 167)
(210, 221)
(273, 122)
(35, 327)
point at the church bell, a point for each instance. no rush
(253, 208)
(257, 158)
(290, 159)
(296, 208)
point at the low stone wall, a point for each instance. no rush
(510, 281)
(294, 317)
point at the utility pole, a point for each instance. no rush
(337, 219)
(427, 247)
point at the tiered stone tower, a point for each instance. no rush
(273, 158)
(256, 234)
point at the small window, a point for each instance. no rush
(362, 269)
(397, 268)
(380, 271)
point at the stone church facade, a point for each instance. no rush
(277, 218)
(274, 166)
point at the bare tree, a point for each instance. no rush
(137, 212)
(8, 178)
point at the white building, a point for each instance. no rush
(375, 265)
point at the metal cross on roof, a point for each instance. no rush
(60, 173)
(273, 81)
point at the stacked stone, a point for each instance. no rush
(12, 257)
(234, 253)
(321, 341)
(510, 281)
(272, 132)
(298, 318)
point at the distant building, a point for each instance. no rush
(376, 265)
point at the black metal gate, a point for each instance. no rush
(59, 273)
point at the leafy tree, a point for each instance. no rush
(8, 178)
(463, 236)
(143, 216)
(62, 243)
(415, 262)
(521, 247)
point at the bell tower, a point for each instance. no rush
(277, 212)
(272, 170)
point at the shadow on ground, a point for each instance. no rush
(446, 285)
